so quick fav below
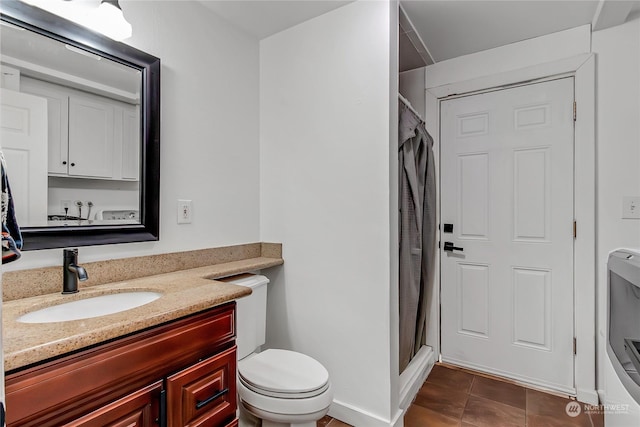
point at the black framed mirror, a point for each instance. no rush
(142, 102)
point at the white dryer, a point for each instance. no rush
(622, 369)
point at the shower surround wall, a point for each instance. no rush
(328, 172)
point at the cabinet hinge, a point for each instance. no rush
(575, 345)
(575, 229)
(575, 111)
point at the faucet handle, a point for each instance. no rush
(70, 253)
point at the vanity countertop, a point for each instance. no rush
(183, 293)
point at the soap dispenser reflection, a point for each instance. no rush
(72, 272)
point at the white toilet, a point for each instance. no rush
(280, 387)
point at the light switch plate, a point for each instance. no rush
(631, 207)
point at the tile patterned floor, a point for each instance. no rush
(458, 398)
(454, 397)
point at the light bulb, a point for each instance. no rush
(110, 21)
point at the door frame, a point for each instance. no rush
(582, 68)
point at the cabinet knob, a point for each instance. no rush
(64, 162)
(73, 164)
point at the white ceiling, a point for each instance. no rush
(262, 18)
(454, 28)
(448, 28)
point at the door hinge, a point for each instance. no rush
(575, 345)
(575, 229)
(575, 111)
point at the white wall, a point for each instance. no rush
(411, 86)
(325, 194)
(618, 151)
(209, 131)
(104, 194)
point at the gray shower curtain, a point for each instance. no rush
(417, 216)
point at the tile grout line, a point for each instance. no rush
(464, 409)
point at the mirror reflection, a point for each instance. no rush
(71, 132)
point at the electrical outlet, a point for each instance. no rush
(185, 211)
(631, 207)
(65, 204)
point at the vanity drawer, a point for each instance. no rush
(205, 393)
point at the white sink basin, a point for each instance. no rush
(90, 307)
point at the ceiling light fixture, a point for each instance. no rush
(110, 21)
(107, 18)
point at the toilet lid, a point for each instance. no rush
(278, 372)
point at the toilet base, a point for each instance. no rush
(274, 424)
(250, 414)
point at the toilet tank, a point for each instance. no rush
(251, 313)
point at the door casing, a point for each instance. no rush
(582, 68)
(556, 140)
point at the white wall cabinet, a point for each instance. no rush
(90, 136)
(58, 118)
(91, 132)
(130, 143)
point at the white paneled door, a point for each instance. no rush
(507, 257)
(23, 133)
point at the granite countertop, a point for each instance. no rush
(183, 292)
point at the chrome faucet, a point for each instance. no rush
(71, 272)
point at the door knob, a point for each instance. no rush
(448, 246)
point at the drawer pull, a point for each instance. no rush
(201, 403)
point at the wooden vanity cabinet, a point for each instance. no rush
(182, 373)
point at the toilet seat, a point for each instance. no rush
(284, 383)
(279, 408)
(283, 374)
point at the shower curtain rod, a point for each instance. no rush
(406, 102)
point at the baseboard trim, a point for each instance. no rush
(356, 416)
(414, 375)
(588, 396)
(518, 379)
(410, 382)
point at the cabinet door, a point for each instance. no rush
(130, 143)
(138, 409)
(91, 140)
(58, 121)
(203, 395)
